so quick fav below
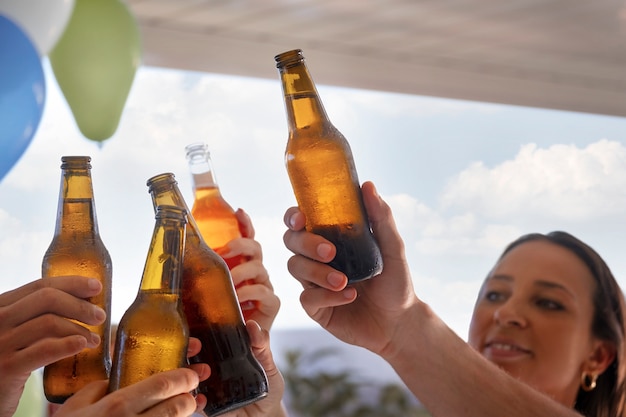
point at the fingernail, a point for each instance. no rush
(335, 279)
(95, 339)
(349, 293)
(93, 284)
(99, 313)
(324, 250)
(292, 221)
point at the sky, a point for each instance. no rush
(463, 178)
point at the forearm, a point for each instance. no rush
(452, 379)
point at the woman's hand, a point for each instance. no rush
(366, 313)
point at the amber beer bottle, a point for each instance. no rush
(214, 216)
(77, 249)
(152, 335)
(323, 174)
(213, 314)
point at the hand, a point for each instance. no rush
(367, 313)
(270, 406)
(258, 287)
(166, 393)
(34, 331)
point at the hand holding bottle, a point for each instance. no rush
(214, 216)
(372, 318)
(258, 288)
(160, 394)
(270, 406)
(34, 330)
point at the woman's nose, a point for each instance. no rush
(510, 314)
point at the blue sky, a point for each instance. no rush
(463, 178)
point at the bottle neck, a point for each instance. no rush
(202, 173)
(76, 207)
(163, 269)
(302, 103)
(164, 190)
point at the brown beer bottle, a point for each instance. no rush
(213, 314)
(215, 218)
(152, 335)
(77, 249)
(323, 174)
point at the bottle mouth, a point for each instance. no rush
(75, 162)
(197, 150)
(163, 179)
(289, 58)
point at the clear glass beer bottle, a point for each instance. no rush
(214, 316)
(153, 335)
(77, 249)
(215, 218)
(323, 174)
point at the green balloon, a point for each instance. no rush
(32, 402)
(95, 62)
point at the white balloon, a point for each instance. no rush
(42, 20)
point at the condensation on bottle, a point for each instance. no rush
(214, 316)
(77, 249)
(323, 174)
(214, 216)
(153, 335)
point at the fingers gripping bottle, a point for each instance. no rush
(152, 335)
(213, 315)
(323, 174)
(214, 216)
(77, 249)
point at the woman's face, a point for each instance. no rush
(533, 318)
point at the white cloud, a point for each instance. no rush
(561, 181)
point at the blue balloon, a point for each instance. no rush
(22, 93)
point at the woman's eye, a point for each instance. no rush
(549, 304)
(493, 296)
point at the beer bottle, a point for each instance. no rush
(77, 249)
(152, 335)
(323, 174)
(215, 218)
(213, 314)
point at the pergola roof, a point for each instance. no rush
(559, 54)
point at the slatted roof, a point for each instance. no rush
(560, 54)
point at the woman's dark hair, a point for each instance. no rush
(609, 396)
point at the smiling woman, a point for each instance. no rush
(551, 314)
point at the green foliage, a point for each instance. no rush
(336, 394)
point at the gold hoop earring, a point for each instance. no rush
(588, 382)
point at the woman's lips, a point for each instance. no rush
(504, 350)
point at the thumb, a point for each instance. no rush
(383, 224)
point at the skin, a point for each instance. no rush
(34, 331)
(385, 315)
(270, 406)
(253, 269)
(533, 319)
(167, 393)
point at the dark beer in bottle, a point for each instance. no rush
(152, 335)
(323, 174)
(77, 249)
(214, 316)
(214, 216)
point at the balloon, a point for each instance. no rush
(22, 93)
(42, 20)
(95, 62)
